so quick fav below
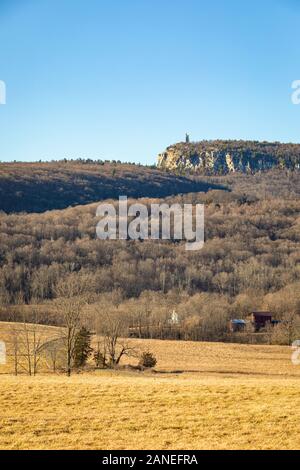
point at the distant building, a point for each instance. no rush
(237, 325)
(187, 138)
(174, 319)
(2, 353)
(258, 320)
(261, 319)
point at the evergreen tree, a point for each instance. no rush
(82, 349)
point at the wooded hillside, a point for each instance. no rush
(37, 187)
(251, 258)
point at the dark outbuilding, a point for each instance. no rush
(261, 319)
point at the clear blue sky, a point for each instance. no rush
(122, 79)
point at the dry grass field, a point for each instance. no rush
(203, 396)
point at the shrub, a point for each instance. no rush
(99, 359)
(147, 360)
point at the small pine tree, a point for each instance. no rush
(82, 349)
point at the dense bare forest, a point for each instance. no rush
(251, 260)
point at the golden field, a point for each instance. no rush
(203, 396)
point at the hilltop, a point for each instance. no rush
(229, 156)
(38, 187)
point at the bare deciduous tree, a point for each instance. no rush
(113, 328)
(25, 342)
(70, 302)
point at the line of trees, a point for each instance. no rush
(70, 347)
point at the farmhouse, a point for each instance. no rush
(2, 353)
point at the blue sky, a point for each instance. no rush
(122, 79)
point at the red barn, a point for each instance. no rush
(260, 319)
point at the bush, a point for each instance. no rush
(99, 359)
(147, 360)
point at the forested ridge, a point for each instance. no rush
(251, 257)
(37, 187)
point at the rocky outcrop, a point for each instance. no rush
(222, 157)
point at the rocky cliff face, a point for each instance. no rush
(221, 157)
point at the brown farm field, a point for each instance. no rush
(202, 396)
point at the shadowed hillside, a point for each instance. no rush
(37, 187)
